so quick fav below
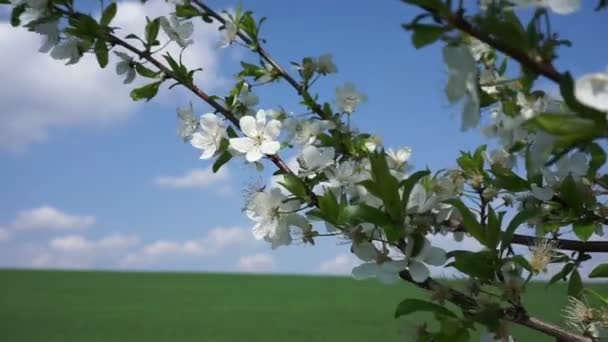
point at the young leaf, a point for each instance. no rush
(108, 14)
(146, 92)
(295, 185)
(517, 220)
(471, 223)
(583, 230)
(425, 34)
(575, 285)
(600, 271)
(101, 52)
(220, 161)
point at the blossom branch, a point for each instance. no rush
(535, 63)
(301, 89)
(518, 315)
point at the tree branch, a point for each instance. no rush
(469, 305)
(536, 64)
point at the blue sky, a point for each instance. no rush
(80, 161)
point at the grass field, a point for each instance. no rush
(53, 306)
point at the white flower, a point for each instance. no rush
(592, 90)
(325, 64)
(541, 149)
(273, 215)
(305, 132)
(345, 173)
(260, 137)
(372, 143)
(348, 98)
(313, 159)
(387, 271)
(462, 82)
(500, 157)
(229, 33)
(50, 31)
(397, 158)
(365, 250)
(543, 194)
(575, 165)
(428, 255)
(479, 49)
(506, 128)
(211, 135)
(177, 31)
(188, 123)
(68, 49)
(178, 2)
(248, 99)
(419, 201)
(125, 66)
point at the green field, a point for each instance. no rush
(52, 306)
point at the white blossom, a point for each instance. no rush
(177, 30)
(325, 64)
(313, 159)
(420, 201)
(365, 250)
(462, 82)
(592, 90)
(348, 98)
(67, 49)
(260, 136)
(50, 31)
(304, 132)
(210, 137)
(575, 165)
(397, 158)
(343, 174)
(558, 6)
(248, 99)
(417, 264)
(386, 272)
(541, 193)
(188, 123)
(125, 66)
(500, 157)
(229, 33)
(273, 215)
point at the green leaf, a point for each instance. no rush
(108, 14)
(569, 193)
(295, 185)
(598, 158)
(145, 72)
(408, 184)
(146, 92)
(600, 271)
(583, 230)
(16, 15)
(476, 264)
(386, 185)
(521, 261)
(471, 223)
(152, 28)
(508, 180)
(568, 128)
(221, 160)
(575, 285)
(493, 229)
(518, 220)
(561, 275)
(362, 213)
(425, 34)
(410, 305)
(186, 11)
(101, 52)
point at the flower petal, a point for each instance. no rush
(248, 126)
(365, 250)
(366, 270)
(273, 129)
(243, 145)
(418, 271)
(254, 155)
(270, 147)
(435, 256)
(543, 194)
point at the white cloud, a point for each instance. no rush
(119, 241)
(340, 264)
(197, 178)
(39, 94)
(215, 241)
(72, 243)
(50, 218)
(4, 234)
(257, 263)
